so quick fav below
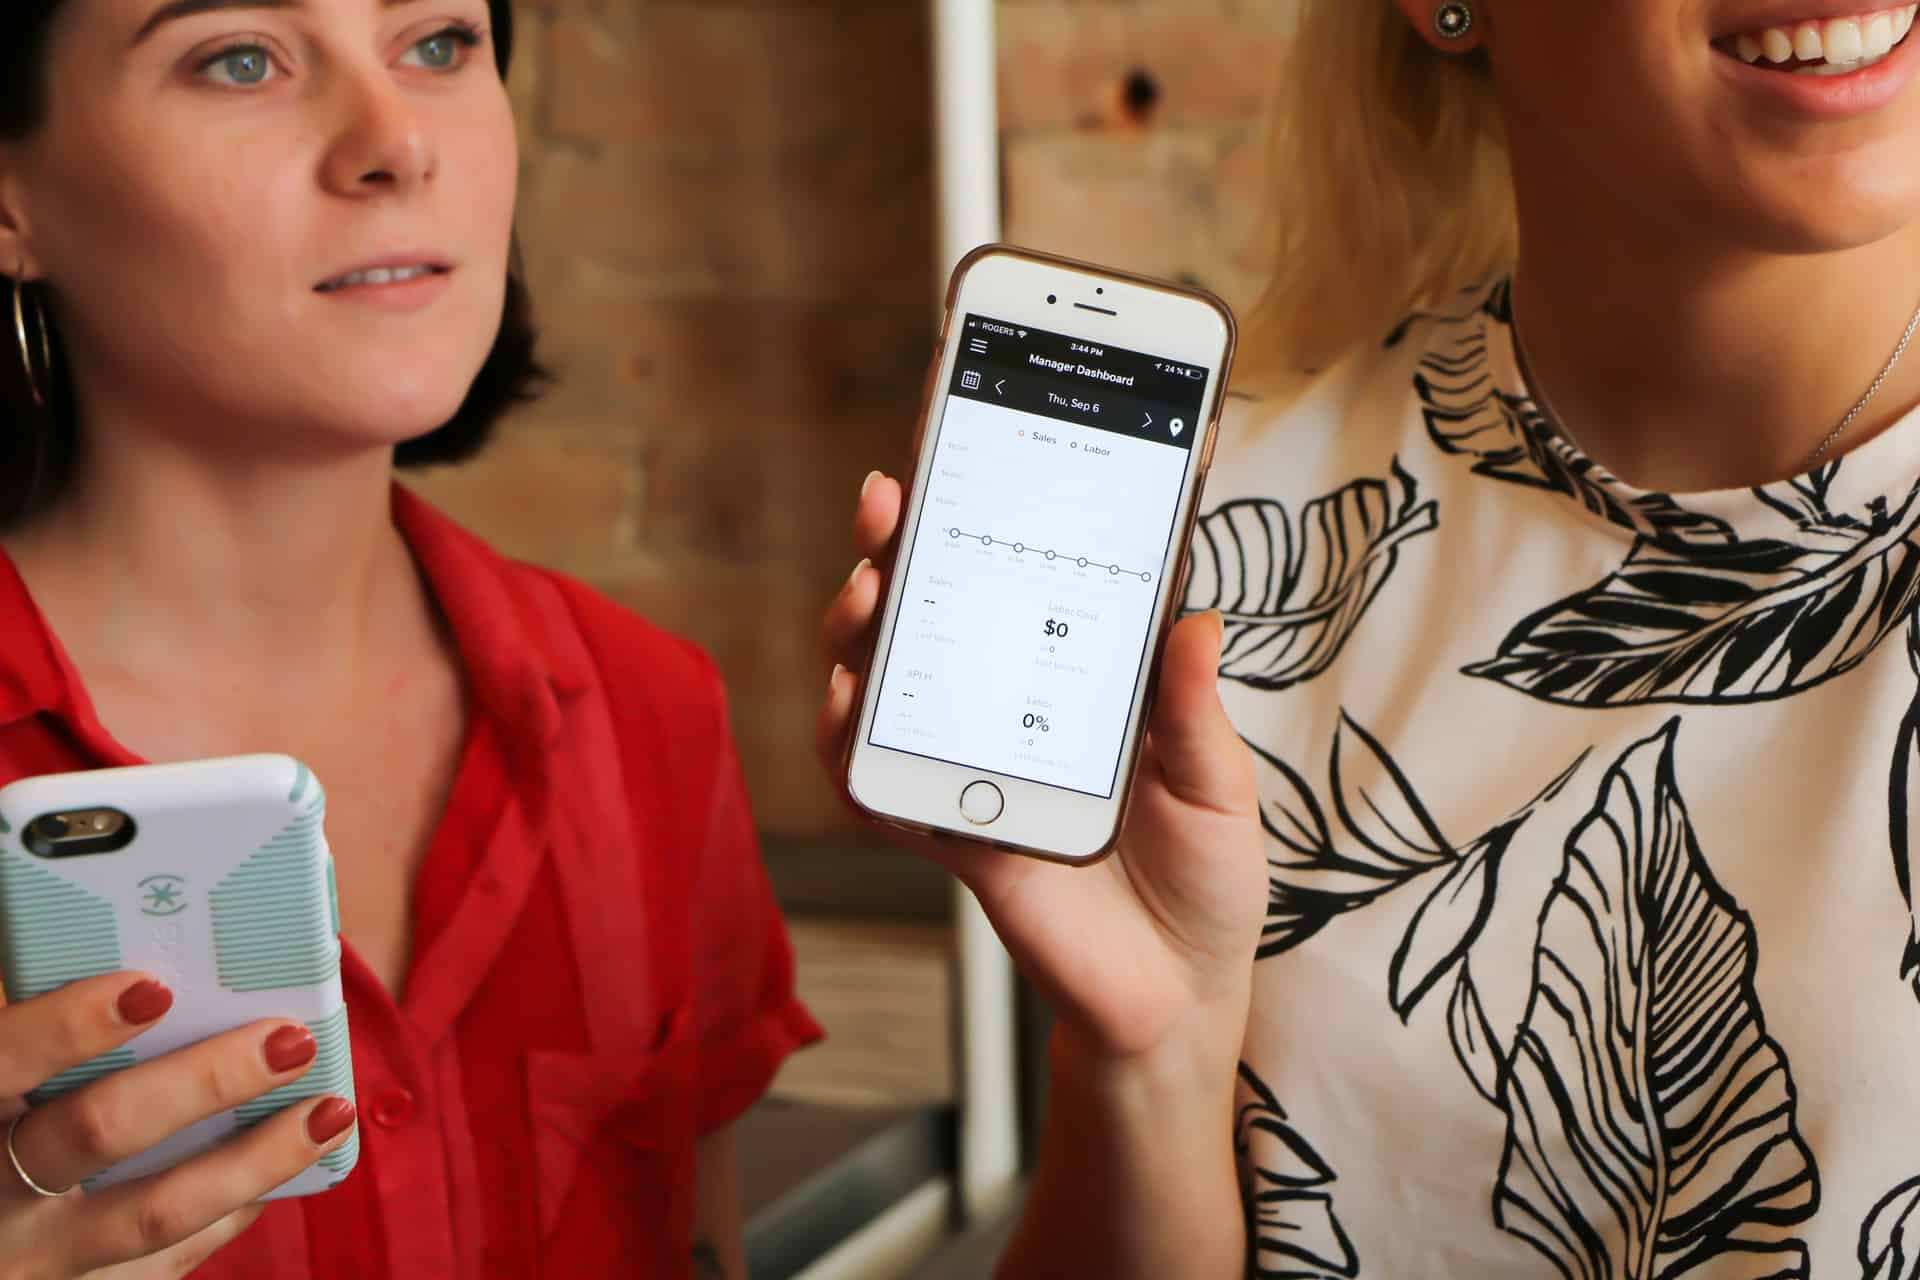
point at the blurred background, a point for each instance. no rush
(729, 214)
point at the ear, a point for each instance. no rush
(1425, 16)
(16, 260)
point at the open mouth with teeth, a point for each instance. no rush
(381, 275)
(1834, 47)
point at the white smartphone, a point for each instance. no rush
(214, 876)
(1069, 421)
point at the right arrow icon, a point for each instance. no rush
(1148, 423)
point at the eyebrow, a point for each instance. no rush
(174, 10)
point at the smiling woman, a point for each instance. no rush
(1565, 542)
(257, 254)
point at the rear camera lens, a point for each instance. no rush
(52, 826)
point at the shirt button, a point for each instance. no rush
(392, 1108)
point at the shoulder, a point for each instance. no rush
(1343, 398)
(640, 664)
(660, 696)
(1290, 432)
(644, 650)
(651, 679)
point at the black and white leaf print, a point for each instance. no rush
(1310, 881)
(1456, 908)
(1292, 591)
(1286, 1188)
(1752, 621)
(1389, 838)
(1467, 413)
(1651, 1128)
(1901, 829)
(1886, 1251)
(1377, 802)
(1803, 499)
(1481, 1055)
(1481, 297)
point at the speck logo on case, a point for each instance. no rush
(163, 895)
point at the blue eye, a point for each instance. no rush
(443, 50)
(243, 65)
(438, 51)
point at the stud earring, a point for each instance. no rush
(1453, 20)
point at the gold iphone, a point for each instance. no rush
(1069, 421)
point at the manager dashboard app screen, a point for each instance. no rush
(1028, 594)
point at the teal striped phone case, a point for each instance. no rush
(225, 892)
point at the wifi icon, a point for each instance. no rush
(1023, 333)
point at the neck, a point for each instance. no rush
(160, 554)
(1682, 366)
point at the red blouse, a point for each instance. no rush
(599, 974)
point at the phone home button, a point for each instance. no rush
(982, 804)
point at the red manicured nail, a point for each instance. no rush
(290, 1047)
(329, 1120)
(143, 1002)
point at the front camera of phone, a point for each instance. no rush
(1051, 299)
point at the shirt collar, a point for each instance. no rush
(522, 661)
(34, 677)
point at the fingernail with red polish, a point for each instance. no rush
(143, 1002)
(329, 1120)
(290, 1047)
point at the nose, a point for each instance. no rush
(382, 144)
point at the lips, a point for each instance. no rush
(395, 269)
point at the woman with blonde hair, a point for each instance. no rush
(1566, 545)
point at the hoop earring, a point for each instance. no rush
(26, 346)
(1453, 20)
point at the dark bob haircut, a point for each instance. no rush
(38, 442)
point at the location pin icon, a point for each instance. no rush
(1178, 426)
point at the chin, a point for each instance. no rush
(387, 403)
(1820, 209)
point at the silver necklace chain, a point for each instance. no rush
(1873, 388)
(1554, 420)
(1559, 423)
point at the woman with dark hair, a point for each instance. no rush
(256, 254)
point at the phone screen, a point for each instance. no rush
(1028, 595)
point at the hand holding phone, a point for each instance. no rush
(1068, 428)
(1154, 943)
(169, 941)
(164, 1224)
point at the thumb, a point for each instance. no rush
(1201, 757)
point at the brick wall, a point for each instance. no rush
(727, 213)
(1133, 131)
